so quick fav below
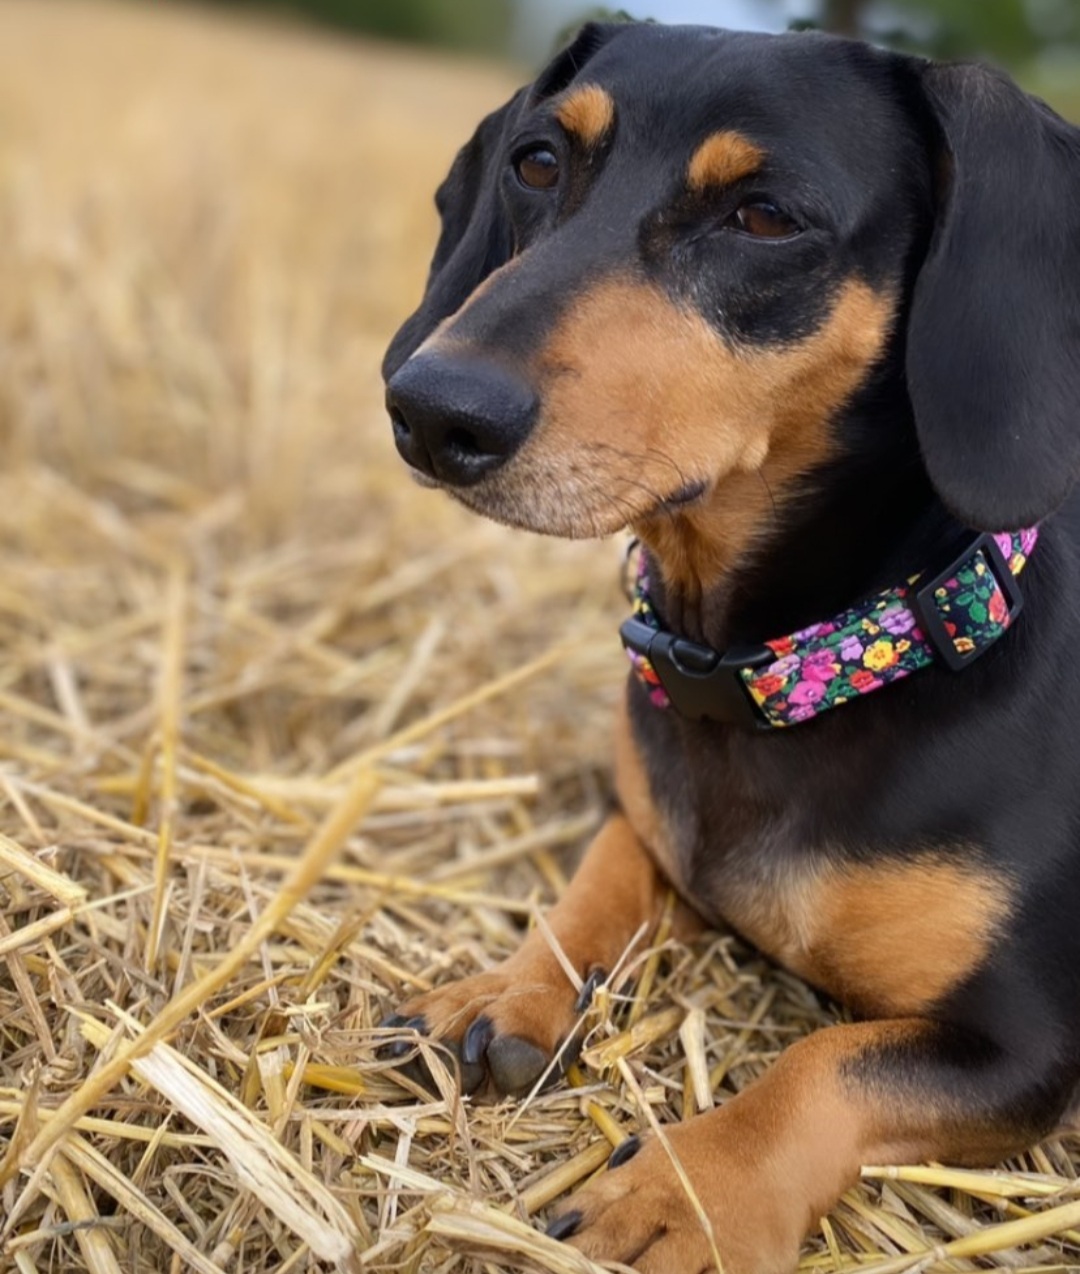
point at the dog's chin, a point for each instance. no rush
(559, 505)
(566, 520)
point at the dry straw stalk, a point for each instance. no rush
(283, 739)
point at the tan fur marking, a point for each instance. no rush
(893, 938)
(902, 936)
(641, 397)
(723, 159)
(777, 912)
(632, 787)
(618, 870)
(768, 1163)
(588, 114)
(784, 402)
(614, 895)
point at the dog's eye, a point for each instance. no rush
(763, 220)
(537, 169)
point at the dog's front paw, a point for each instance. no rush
(640, 1214)
(504, 1029)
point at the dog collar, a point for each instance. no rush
(950, 617)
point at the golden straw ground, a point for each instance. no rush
(283, 738)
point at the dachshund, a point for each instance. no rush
(804, 315)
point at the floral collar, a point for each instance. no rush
(950, 617)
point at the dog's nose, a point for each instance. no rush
(457, 418)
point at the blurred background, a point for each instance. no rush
(221, 596)
(1039, 38)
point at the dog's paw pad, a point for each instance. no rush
(515, 1064)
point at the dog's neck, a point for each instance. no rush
(753, 562)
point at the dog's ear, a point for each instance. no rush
(993, 347)
(577, 48)
(476, 236)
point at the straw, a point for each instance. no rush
(286, 740)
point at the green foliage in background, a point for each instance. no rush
(464, 24)
(597, 13)
(1011, 32)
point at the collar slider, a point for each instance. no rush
(956, 641)
(698, 682)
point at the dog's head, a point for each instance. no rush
(668, 266)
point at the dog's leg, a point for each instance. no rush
(771, 1161)
(509, 1023)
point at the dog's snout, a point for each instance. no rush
(457, 419)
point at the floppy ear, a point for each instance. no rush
(993, 350)
(475, 238)
(476, 235)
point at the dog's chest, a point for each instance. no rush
(883, 934)
(884, 937)
(773, 901)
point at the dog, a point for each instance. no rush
(804, 315)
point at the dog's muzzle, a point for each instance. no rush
(458, 418)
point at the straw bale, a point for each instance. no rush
(284, 738)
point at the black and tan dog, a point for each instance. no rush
(805, 315)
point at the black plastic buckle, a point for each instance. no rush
(930, 617)
(698, 680)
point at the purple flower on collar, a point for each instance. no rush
(897, 621)
(816, 631)
(799, 712)
(851, 649)
(865, 647)
(820, 666)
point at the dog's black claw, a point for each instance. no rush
(624, 1151)
(419, 1071)
(473, 1052)
(515, 1064)
(400, 1047)
(476, 1041)
(597, 977)
(415, 1068)
(395, 1022)
(565, 1226)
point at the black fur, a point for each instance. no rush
(994, 340)
(949, 186)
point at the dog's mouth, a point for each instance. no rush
(689, 493)
(564, 500)
(586, 468)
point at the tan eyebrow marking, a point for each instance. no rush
(722, 159)
(587, 114)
